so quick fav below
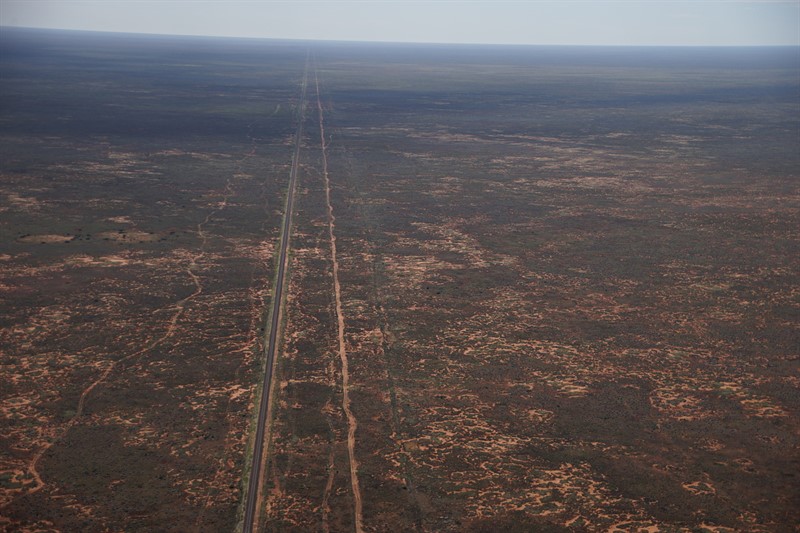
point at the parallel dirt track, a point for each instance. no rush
(352, 424)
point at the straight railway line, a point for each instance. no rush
(253, 494)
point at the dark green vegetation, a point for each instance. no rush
(569, 285)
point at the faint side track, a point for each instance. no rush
(253, 495)
(352, 424)
(325, 506)
(172, 327)
(384, 350)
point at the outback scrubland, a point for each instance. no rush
(530, 289)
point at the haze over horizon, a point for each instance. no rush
(579, 22)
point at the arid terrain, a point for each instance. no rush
(142, 187)
(529, 288)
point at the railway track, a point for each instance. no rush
(253, 494)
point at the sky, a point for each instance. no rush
(565, 22)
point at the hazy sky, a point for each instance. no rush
(632, 22)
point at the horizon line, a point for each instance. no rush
(369, 41)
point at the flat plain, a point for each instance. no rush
(530, 288)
